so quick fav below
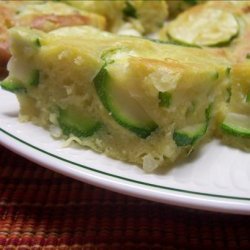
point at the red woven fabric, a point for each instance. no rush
(40, 209)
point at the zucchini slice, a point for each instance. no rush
(13, 86)
(236, 125)
(187, 136)
(204, 27)
(122, 107)
(17, 86)
(73, 121)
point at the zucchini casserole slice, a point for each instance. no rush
(131, 98)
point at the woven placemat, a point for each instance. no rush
(40, 209)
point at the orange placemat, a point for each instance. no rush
(40, 209)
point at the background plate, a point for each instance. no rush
(217, 178)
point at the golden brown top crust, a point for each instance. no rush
(52, 21)
(243, 48)
(246, 9)
(154, 63)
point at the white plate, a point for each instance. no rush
(216, 179)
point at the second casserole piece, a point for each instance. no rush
(42, 15)
(129, 17)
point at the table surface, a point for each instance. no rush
(40, 209)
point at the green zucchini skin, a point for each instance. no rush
(184, 137)
(165, 99)
(34, 78)
(18, 87)
(129, 11)
(72, 122)
(237, 133)
(13, 86)
(237, 125)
